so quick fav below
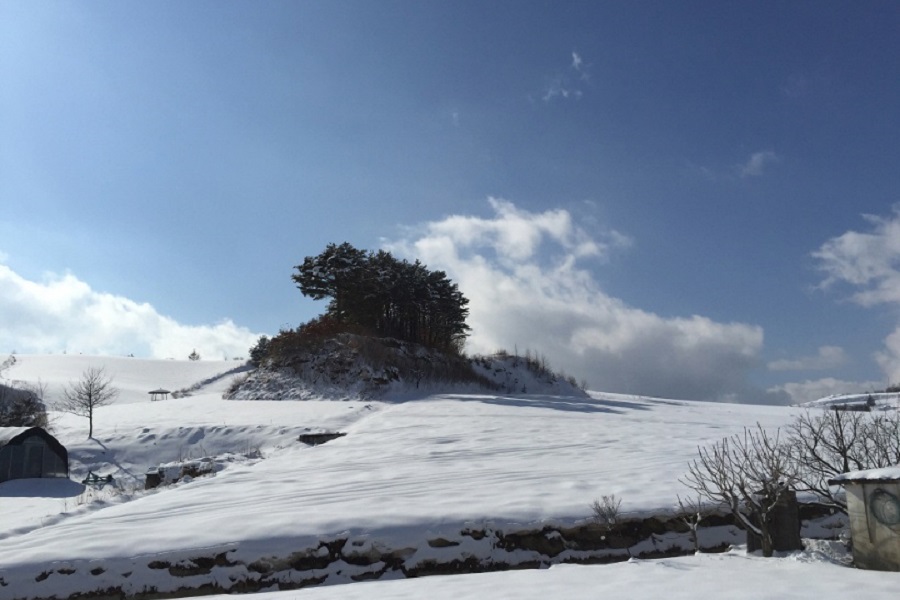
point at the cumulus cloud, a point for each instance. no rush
(889, 358)
(810, 390)
(63, 313)
(522, 272)
(869, 263)
(756, 165)
(828, 357)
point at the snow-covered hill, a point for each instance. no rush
(875, 401)
(415, 481)
(353, 366)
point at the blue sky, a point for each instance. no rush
(665, 198)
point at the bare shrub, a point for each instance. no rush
(749, 474)
(235, 384)
(606, 511)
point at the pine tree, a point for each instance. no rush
(390, 297)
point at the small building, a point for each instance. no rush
(31, 452)
(873, 503)
(159, 394)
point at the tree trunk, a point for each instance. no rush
(766, 540)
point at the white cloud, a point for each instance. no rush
(869, 261)
(63, 313)
(889, 358)
(828, 357)
(810, 390)
(756, 164)
(521, 272)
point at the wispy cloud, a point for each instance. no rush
(796, 86)
(816, 83)
(568, 84)
(756, 165)
(576, 61)
(62, 313)
(523, 274)
(828, 357)
(869, 263)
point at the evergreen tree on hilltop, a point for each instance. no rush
(390, 297)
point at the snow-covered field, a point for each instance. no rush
(406, 472)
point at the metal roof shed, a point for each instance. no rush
(29, 452)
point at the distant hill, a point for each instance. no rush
(877, 401)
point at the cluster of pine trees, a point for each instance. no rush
(393, 298)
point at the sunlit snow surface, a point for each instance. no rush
(403, 471)
(800, 576)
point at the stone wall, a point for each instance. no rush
(345, 559)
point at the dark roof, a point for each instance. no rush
(14, 435)
(7, 434)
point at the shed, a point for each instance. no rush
(873, 503)
(28, 452)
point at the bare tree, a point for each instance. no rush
(824, 445)
(691, 513)
(828, 443)
(832, 442)
(884, 431)
(93, 390)
(749, 474)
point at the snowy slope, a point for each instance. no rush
(405, 471)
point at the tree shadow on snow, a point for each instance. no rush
(563, 403)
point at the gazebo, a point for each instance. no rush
(159, 394)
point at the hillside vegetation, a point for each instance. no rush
(310, 363)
